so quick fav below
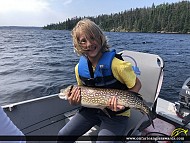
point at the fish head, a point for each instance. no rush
(64, 93)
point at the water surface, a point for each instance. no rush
(36, 62)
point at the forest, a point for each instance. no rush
(163, 18)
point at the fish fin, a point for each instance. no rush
(137, 94)
(106, 112)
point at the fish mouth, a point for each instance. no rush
(64, 93)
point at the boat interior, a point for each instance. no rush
(45, 116)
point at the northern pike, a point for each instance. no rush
(99, 97)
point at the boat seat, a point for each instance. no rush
(149, 70)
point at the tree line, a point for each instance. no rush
(164, 18)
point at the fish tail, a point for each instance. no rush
(151, 116)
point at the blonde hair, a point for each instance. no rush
(88, 28)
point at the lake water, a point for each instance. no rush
(36, 62)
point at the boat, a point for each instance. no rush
(40, 119)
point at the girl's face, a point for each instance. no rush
(90, 46)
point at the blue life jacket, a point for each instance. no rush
(102, 76)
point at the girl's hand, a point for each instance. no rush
(112, 104)
(74, 96)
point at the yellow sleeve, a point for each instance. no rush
(79, 82)
(122, 71)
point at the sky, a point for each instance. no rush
(42, 12)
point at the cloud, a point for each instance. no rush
(66, 2)
(8, 6)
(27, 13)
